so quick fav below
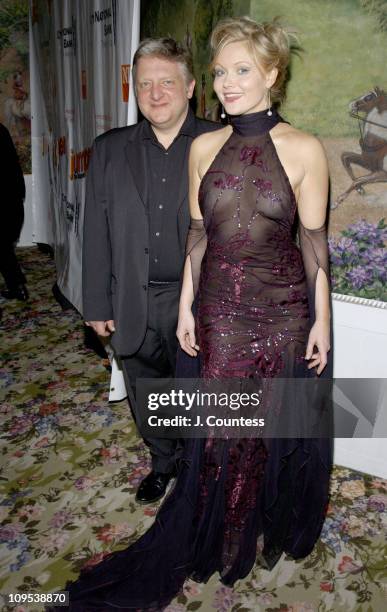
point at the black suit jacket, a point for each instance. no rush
(12, 189)
(116, 233)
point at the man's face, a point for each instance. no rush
(162, 91)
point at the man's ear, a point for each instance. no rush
(190, 89)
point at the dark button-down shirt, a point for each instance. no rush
(165, 170)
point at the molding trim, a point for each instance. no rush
(352, 299)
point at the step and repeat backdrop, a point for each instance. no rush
(80, 55)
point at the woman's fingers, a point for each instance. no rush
(187, 342)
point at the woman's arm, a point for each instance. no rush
(195, 249)
(312, 205)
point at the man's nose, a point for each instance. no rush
(156, 91)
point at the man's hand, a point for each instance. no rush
(102, 328)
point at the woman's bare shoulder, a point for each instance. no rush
(285, 135)
(208, 141)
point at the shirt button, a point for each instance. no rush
(161, 206)
(146, 251)
(156, 260)
(163, 179)
(157, 234)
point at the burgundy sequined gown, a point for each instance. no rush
(255, 305)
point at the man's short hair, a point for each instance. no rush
(165, 48)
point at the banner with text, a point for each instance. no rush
(80, 67)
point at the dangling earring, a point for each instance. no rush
(269, 112)
(223, 114)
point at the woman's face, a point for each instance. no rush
(240, 84)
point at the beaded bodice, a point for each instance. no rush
(253, 278)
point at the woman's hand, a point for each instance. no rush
(318, 337)
(186, 332)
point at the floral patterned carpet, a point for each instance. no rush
(71, 462)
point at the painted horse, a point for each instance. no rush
(373, 142)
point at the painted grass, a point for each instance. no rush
(344, 57)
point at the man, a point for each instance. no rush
(136, 222)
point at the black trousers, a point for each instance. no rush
(156, 358)
(9, 265)
(11, 225)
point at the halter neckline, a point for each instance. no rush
(254, 124)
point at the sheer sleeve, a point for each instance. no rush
(195, 248)
(314, 249)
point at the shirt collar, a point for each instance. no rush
(187, 129)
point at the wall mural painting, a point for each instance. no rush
(337, 91)
(15, 109)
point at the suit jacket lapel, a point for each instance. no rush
(136, 155)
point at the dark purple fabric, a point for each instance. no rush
(252, 322)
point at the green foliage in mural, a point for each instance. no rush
(204, 16)
(13, 19)
(379, 9)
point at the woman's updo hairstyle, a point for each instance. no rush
(270, 44)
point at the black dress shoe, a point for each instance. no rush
(17, 293)
(153, 487)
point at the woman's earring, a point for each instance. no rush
(223, 114)
(269, 112)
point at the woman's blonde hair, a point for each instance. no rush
(270, 44)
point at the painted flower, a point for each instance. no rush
(191, 588)
(112, 454)
(352, 488)
(377, 503)
(367, 231)
(330, 534)
(379, 483)
(48, 408)
(42, 443)
(266, 599)
(359, 276)
(55, 541)
(95, 559)
(84, 482)
(30, 511)
(149, 511)
(135, 476)
(224, 599)
(111, 533)
(347, 565)
(354, 526)
(6, 408)
(60, 519)
(327, 586)
(11, 532)
(21, 424)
